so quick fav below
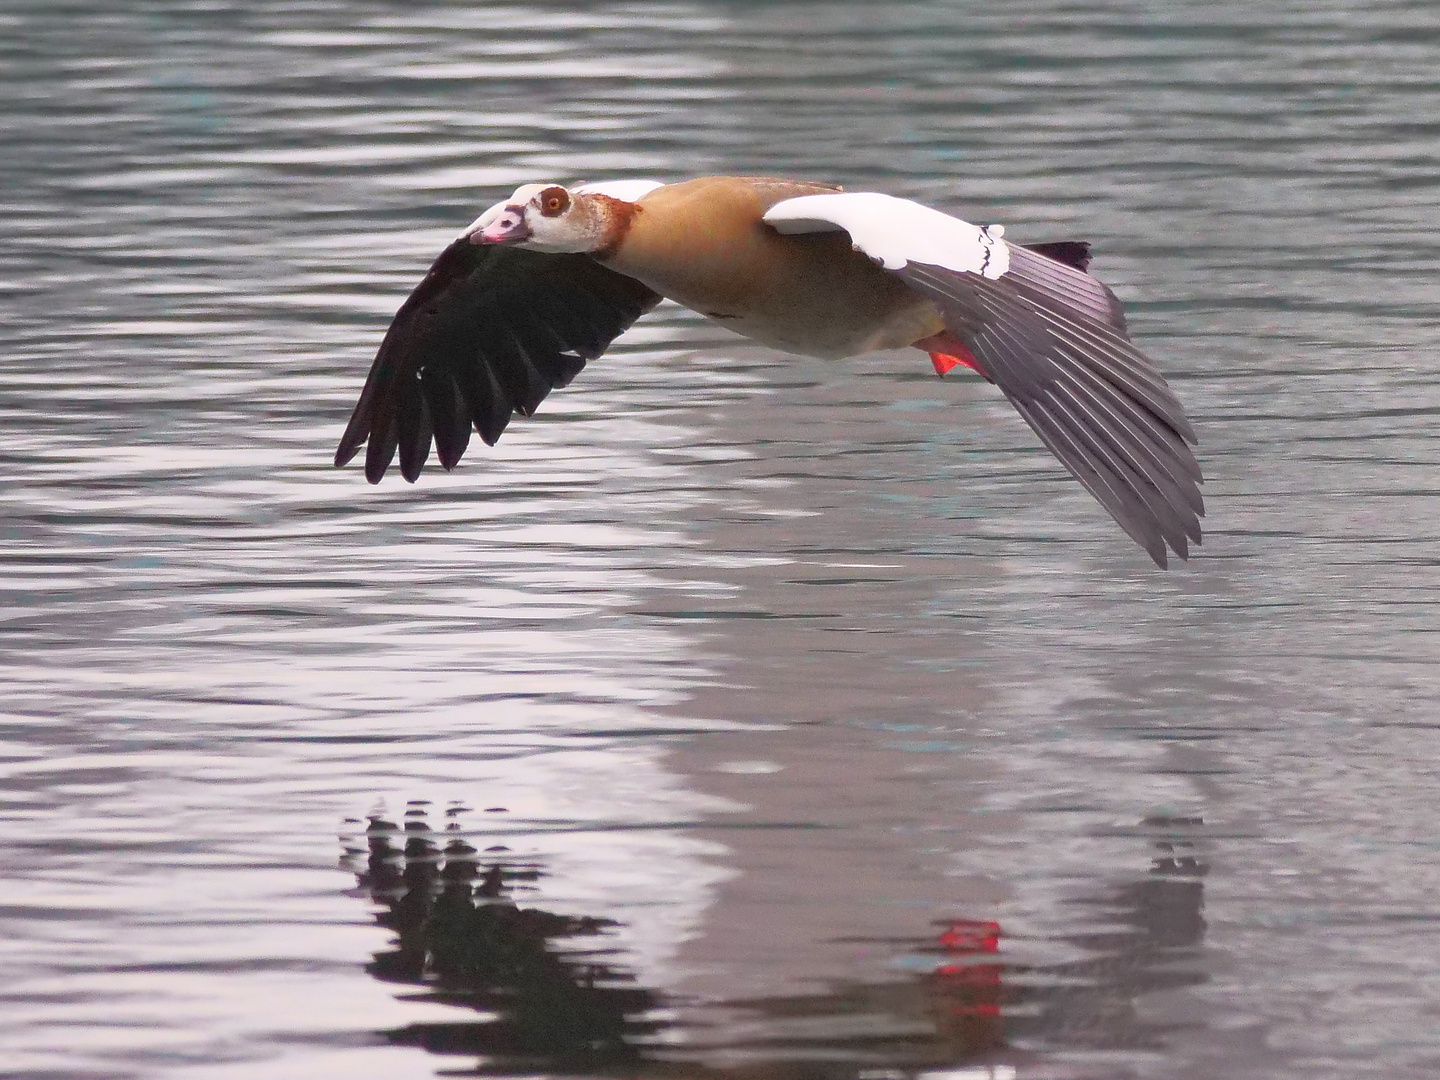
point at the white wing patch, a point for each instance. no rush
(624, 190)
(894, 231)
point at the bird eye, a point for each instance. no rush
(554, 201)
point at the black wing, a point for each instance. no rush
(489, 332)
(1074, 253)
(1053, 340)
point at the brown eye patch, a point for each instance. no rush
(554, 201)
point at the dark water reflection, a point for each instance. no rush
(461, 935)
(773, 673)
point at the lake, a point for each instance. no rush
(737, 715)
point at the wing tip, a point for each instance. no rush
(1180, 545)
(1182, 552)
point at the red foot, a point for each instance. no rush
(947, 353)
(944, 362)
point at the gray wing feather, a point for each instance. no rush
(1056, 350)
(1035, 274)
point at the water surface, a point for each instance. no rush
(737, 713)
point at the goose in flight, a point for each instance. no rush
(545, 280)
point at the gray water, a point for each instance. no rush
(737, 715)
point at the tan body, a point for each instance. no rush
(703, 244)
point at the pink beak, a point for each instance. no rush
(508, 228)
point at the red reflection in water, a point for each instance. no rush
(965, 994)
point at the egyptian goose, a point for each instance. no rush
(546, 279)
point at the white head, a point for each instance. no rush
(545, 217)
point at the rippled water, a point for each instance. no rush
(737, 713)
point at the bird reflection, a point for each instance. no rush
(460, 934)
(549, 1003)
(981, 1007)
(1152, 942)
